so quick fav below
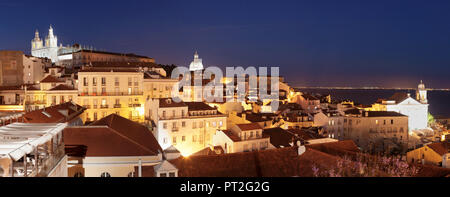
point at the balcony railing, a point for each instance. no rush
(87, 106)
(36, 102)
(112, 94)
(134, 105)
(103, 106)
(117, 105)
(174, 129)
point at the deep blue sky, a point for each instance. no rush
(315, 43)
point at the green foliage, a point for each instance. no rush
(431, 119)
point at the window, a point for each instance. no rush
(129, 81)
(220, 123)
(78, 174)
(171, 174)
(194, 138)
(392, 121)
(94, 81)
(103, 81)
(85, 81)
(194, 125)
(164, 125)
(105, 174)
(183, 124)
(116, 81)
(174, 140)
(131, 174)
(183, 138)
(162, 174)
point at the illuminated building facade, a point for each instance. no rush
(107, 91)
(188, 126)
(376, 130)
(242, 138)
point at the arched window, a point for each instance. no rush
(105, 174)
(131, 174)
(78, 174)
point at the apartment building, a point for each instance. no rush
(376, 131)
(105, 91)
(188, 126)
(242, 138)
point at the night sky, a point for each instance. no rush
(315, 43)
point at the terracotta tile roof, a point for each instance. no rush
(168, 102)
(216, 150)
(440, 148)
(340, 148)
(62, 87)
(268, 163)
(198, 106)
(279, 137)
(64, 112)
(353, 111)
(231, 135)
(304, 134)
(398, 97)
(105, 142)
(131, 130)
(52, 79)
(258, 117)
(432, 171)
(249, 126)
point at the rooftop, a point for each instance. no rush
(113, 136)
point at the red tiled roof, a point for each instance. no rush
(198, 106)
(249, 126)
(231, 135)
(133, 131)
(399, 97)
(105, 142)
(440, 148)
(54, 114)
(304, 134)
(168, 102)
(268, 163)
(208, 151)
(62, 87)
(339, 148)
(51, 79)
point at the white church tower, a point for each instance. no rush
(49, 50)
(421, 93)
(196, 64)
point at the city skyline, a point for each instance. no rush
(392, 45)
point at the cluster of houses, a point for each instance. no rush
(114, 116)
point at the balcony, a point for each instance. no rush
(117, 105)
(36, 102)
(87, 106)
(134, 105)
(113, 94)
(175, 129)
(103, 106)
